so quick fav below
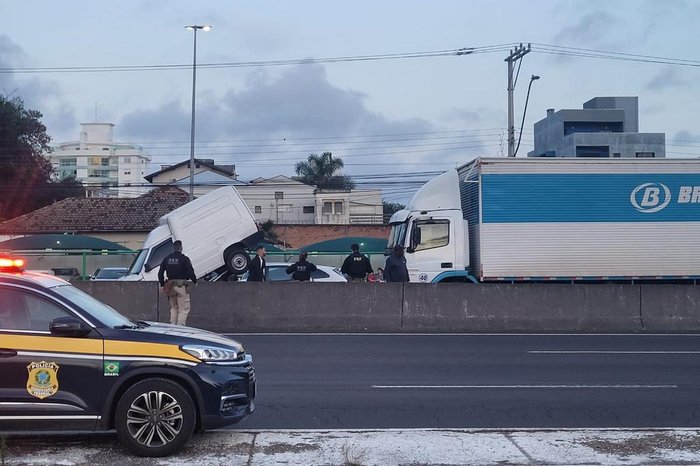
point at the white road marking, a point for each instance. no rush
(609, 352)
(397, 334)
(623, 386)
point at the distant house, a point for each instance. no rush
(282, 199)
(121, 220)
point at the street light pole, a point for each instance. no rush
(515, 54)
(194, 28)
(522, 123)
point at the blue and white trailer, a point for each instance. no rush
(541, 219)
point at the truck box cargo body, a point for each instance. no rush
(555, 219)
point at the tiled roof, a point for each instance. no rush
(79, 214)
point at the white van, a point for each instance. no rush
(217, 230)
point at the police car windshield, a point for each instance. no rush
(96, 309)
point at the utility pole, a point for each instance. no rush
(515, 54)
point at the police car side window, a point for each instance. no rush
(319, 274)
(21, 310)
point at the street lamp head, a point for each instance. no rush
(534, 77)
(204, 28)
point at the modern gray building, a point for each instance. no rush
(605, 127)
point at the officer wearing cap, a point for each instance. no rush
(356, 265)
(180, 272)
(301, 270)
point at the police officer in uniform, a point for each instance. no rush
(301, 270)
(178, 268)
(356, 265)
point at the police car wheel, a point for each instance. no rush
(155, 417)
(237, 261)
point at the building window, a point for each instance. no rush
(94, 160)
(279, 195)
(127, 173)
(645, 155)
(592, 151)
(258, 209)
(67, 162)
(333, 207)
(616, 155)
(104, 161)
(105, 148)
(309, 209)
(126, 159)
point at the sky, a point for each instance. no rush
(384, 118)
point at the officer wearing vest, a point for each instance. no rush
(178, 268)
(356, 265)
(301, 270)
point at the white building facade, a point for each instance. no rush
(280, 198)
(105, 167)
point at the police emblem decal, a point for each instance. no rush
(42, 381)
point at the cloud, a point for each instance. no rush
(275, 120)
(591, 28)
(42, 95)
(668, 78)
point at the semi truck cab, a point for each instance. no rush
(434, 233)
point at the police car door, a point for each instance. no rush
(50, 375)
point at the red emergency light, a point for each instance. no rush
(11, 264)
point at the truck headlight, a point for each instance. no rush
(214, 353)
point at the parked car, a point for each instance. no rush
(109, 273)
(277, 272)
(71, 363)
(66, 273)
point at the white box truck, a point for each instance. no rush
(217, 230)
(547, 219)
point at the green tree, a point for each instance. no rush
(25, 174)
(390, 208)
(322, 171)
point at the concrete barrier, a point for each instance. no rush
(138, 300)
(521, 308)
(670, 308)
(303, 307)
(360, 307)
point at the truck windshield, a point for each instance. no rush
(397, 235)
(137, 265)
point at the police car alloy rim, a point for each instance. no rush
(154, 419)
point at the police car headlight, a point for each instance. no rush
(213, 353)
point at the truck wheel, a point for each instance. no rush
(237, 261)
(155, 417)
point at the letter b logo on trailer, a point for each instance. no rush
(650, 197)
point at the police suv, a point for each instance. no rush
(70, 362)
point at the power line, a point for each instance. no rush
(247, 64)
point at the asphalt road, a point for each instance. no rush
(479, 381)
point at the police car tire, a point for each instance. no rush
(174, 391)
(240, 257)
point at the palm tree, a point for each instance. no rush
(321, 171)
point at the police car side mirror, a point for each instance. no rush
(68, 327)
